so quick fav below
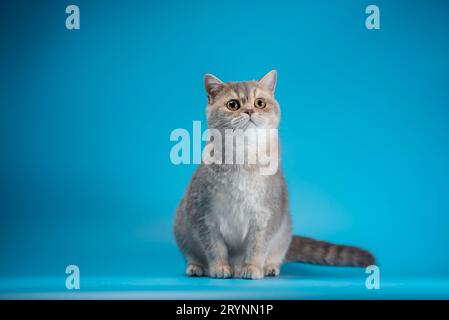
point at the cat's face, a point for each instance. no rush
(242, 105)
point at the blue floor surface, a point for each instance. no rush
(297, 282)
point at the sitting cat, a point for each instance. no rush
(234, 221)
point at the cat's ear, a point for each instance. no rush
(268, 81)
(213, 85)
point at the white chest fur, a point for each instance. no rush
(238, 205)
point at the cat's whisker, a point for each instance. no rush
(257, 119)
(241, 122)
(237, 119)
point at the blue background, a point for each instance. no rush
(86, 115)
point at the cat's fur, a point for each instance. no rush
(233, 221)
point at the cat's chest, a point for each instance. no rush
(238, 204)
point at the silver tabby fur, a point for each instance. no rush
(235, 222)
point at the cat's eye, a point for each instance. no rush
(259, 103)
(233, 105)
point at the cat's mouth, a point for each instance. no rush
(250, 123)
(246, 123)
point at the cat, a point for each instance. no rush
(234, 221)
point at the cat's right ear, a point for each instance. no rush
(213, 85)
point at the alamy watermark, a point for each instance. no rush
(373, 280)
(72, 282)
(252, 147)
(372, 22)
(72, 22)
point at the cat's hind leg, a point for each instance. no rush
(277, 250)
(195, 269)
(189, 247)
(196, 266)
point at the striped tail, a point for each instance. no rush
(308, 250)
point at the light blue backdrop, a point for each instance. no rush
(85, 120)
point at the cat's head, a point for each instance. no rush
(242, 105)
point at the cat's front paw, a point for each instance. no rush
(251, 271)
(194, 270)
(271, 270)
(220, 270)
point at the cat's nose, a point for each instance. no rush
(249, 112)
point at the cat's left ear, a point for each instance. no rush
(268, 81)
(213, 85)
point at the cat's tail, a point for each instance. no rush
(308, 250)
